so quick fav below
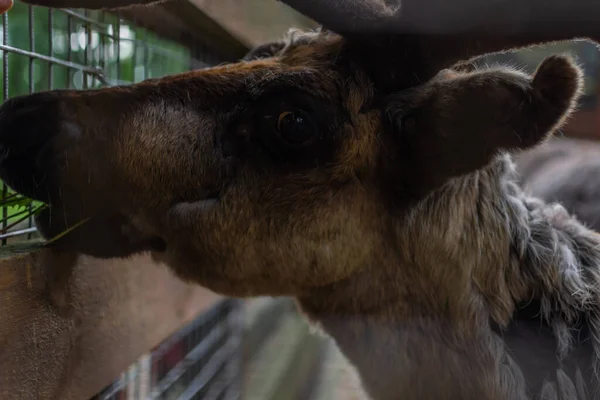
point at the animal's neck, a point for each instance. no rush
(402, 322)
(419, 323)
(405, 342)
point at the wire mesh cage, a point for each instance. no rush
(198, 362)
(44, 49)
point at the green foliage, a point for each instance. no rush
(124, 52)
(16, 209)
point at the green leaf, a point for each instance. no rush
(17, 201)
(66, 231)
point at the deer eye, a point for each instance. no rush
(295, 127)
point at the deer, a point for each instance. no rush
(368, 175)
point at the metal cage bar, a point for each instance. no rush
(201, 361)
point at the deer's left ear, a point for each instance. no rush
(459, 122)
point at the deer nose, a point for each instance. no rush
(27, 126)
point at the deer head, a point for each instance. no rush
(361, 168)
(285, 171)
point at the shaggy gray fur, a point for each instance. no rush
(558, 259)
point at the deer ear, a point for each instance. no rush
(459, 122)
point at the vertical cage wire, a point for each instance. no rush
(31, 90)
(4, 98)
(86, 53)
(69, 50)
(50, 49)
(200, 361)
(118, 47)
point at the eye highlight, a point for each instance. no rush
(292, 125)
(296, 127)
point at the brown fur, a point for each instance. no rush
(399, 228)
